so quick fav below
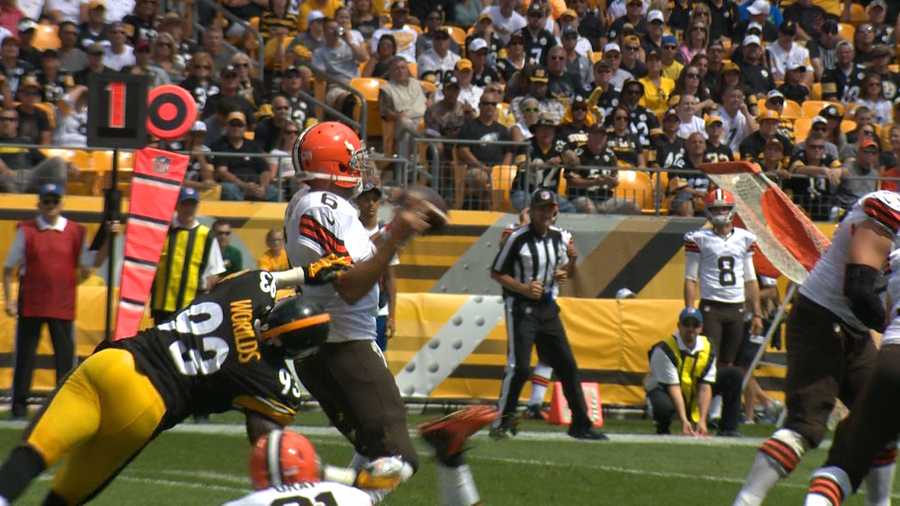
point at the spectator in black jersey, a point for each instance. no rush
(54, 83)
(808, 17)
(814, 175)
(471, 189)
(591, 189)
(544, 171)
(623, 142)
(632, 61)
(759, 14)
(563, 85)
(574, 130)
(689, 189)
(604, 97)
(863, 43)
(668, 147)
(751, 148)
(27, 28)
(833, 133)
(823, 49)
(843, 82)
(268, 130)
(538, 40)
(591, 23)
(641, 119)
(880, 65)
(755, 74)
(141, 24)
(516, 58)
(774, 162)
(884, 32)
(578, 65)
(484, 30)
(716, 150)
(242, 177)
(794, 87)
(482, 73)
(634, 15)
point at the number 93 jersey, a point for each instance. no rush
(720, 264)
(208, 359)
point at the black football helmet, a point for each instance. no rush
(300, 326)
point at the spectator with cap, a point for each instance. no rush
(684, 377)
(653, 39)
(404, 34)
(11, 66)
(242, 177)
(51, 255)
(756, 76)
(871, 95)
(93, 28)
(313, 37)
(667, 148)
(339, 59)
(27, 28)
(833, 133)
(843, 82)
(545, 154)
(785, 53)
(54, 83)
(229, 89)
(402, 101)
(479, 158)
(605, 96)
(774, 162)
(759, 14)
(437, 63)
(568, 22)
(34, 125)
(72, 57)
(190, 262)
(200, 174)
(144, 66)
(657, 88)
(632, 62)
(794, 86)
(538, 87)
(612, 54)
(736, 118)
(118, 54)
(634, 15)
(469, 94)
(141, 23)
(881, 59)
(853, 185)
(808, 17)
(752, 147)
(505, 19)
(689, 189)
(823, 49)
(642, 120)
(448, 114)
(538, 40)
(515, 59)
(25, 169)
(855, 139)
(482, 73)
(483, 29)
(326, 8)
(578, 119)
(823, 172)
(591, 173)
(716, 150)
(877, 13)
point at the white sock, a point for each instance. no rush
(763, 476)
(715, 407)
(817, 500)
(822, 487)
(540, 379)
(879, 483)
(456, 485)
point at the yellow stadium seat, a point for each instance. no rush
(812, 108)
(801, 129)
(504, 115)
(102, 160)
(456, 33)
(46, 37)
(635, 186)
(815, 91)
(791, 110)
(846, 31)
(369, 87)
(502, 177)
(596, 56)
(858, 14)
(848, 125)
(895, 68)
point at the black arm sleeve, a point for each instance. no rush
(859, 286)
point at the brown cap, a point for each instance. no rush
(236, 116)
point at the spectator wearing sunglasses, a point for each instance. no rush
(823, 49)
(118, 54)
(671, 67)
(844, 81)
(866, 165)
(231, 256)
(34, 125)
(141, 24)
(24, 169)
(823, 173)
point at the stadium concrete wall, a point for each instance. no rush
(438, 276)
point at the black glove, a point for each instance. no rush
(326, 269)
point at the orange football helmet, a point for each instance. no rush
(331, 151)
(282, 457)
(716, 200)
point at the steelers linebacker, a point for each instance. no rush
(348, 374)
(208, 359)
(831, 353)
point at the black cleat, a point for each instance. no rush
(729, 433)
(587, 433)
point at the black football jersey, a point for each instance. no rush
(208, 358)
(602, 164)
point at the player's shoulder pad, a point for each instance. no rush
(746, 235)
(883, 207)
(693, 240)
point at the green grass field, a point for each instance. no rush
(207, 464)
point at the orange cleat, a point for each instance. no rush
(448, 434)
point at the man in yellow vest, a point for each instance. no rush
(683, 378)
(190, 262)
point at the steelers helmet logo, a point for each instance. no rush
(171, 111)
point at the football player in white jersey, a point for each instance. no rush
(831, 355)
(869, 435)
(719, 268)
(348, 375)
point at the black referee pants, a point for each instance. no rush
(28, 333)
(533, 323)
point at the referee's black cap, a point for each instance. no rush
(544, 197)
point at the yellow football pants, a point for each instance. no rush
(98, 420)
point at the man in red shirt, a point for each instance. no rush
(51, 255)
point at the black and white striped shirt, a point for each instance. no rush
(527, 256)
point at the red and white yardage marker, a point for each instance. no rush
(116, 104)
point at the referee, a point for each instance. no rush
(530, 265)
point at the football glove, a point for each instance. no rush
(380, 474)
(326, 269)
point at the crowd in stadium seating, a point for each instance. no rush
(804, 89)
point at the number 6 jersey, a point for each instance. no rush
(208, 358)
(720, 264)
